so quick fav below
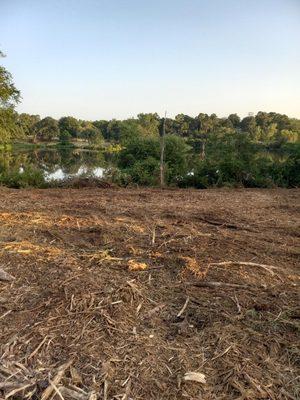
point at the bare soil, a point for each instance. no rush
(119, 293)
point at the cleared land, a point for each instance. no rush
(129, 289)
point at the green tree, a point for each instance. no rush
(183, 125)
(176, 158)
(92, 135)
(46, 129)
(64, 138)
(69, 124)
(9, 97)
(248, 124)
(148, 124)
(290, 136)
(140, 159)
(26, 123)
(102, 126)
(235, 120)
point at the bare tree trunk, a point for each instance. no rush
(202, 156)
(162, 153)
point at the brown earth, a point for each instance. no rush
(120, 284)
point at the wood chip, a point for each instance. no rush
(5, 276)
(195, 377)
(47, 393)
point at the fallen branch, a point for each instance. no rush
(215, 285)
(268, 268)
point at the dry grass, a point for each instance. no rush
(149, 294)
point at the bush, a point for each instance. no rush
(233, 160)
(64, 138)
(140, 159)
(31, 177)
(145, 172)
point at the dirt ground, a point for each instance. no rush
(122, 293)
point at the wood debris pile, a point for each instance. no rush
(148, 294)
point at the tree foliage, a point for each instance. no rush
(46, 129)
(9, 97)
(70, 125)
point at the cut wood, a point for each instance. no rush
(5, 276)
(55, 381)
(195, 377)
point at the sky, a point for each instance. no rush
(103, 59)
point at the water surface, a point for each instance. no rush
(56, 163)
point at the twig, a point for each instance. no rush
(239, 308)
(127, 390)
(153, 237)
(105, 390)
(56, 390)
(17, 390)
(5, 314)
(221, 354)
(183, 308)
(38, 347)
(215, 285)
(268, 268)
(61, 370)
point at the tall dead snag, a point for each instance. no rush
(162, 133)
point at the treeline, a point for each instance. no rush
(204, 151)
(268, 128)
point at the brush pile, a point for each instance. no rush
(134, 294)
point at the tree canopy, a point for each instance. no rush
(9, 97)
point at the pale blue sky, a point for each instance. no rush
(97, 59)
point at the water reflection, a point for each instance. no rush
(60, 175)
(56, 164)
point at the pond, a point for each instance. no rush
(58, 163)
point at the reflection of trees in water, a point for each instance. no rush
(69, 160)
(272, 155)
(72, 159)
(10, 161)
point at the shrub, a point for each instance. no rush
(141, 159)
(31, 177)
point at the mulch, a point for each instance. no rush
(116, 293)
